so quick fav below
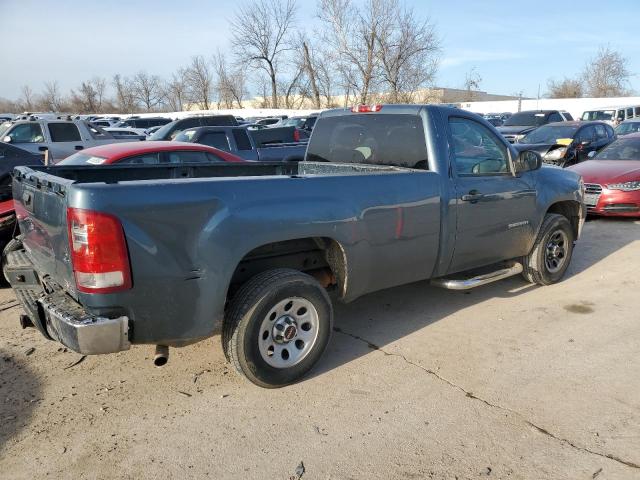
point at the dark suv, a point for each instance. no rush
(519, 124)
(138, 122)
(171, 130)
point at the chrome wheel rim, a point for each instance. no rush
(556, 251)
(288, 332)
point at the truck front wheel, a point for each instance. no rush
(277, 326)
(551, 252)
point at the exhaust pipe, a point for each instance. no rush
(161, 356)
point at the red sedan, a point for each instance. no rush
(149, 153)
(612, 178)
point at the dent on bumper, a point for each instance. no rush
(82, 332)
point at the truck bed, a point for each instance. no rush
(124, 173)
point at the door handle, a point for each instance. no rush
(78, 147)
(42, 149)
(473, 196)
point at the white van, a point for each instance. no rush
(612, 115)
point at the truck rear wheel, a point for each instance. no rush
(277, 326)
(551, 252)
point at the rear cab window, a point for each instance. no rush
(215, 140)
(370, 138)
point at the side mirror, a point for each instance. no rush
(527, 161)
(591, 154)
(7, 139)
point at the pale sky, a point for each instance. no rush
(513, 46)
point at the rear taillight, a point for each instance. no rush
(296, 136)
(366, 108)
(98, 251)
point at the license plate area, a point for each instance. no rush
(591, 199)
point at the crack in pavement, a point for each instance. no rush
(471, 395)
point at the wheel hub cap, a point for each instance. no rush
(285, 329)
(288, 332)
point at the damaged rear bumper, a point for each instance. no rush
(59, 317)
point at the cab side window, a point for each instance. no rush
(555, 117)
(601, 132)
(64, 132)
(587, 134)
(26, 133)
(477, 151)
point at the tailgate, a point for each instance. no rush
(41, 207)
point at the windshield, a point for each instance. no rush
(371, 139)
(293, 122)
(162, 132)
(625, 128)
(185, 136)
(82, 159)
(526, 119)
(549, 134)
(4, 127)
(621, 149)
(604, 115)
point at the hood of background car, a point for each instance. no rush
(536, 147)
(515, 129)
(608, 171)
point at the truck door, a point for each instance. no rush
(28, 136)
(65, 140)
(495, 210)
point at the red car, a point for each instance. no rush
(149, 153)
(612, 178)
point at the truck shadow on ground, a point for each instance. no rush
(384, 317)
(20, 392)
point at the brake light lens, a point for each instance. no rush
(366, 108)
(98, 251)
(296, 136)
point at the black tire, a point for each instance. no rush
(245, 318)
(540, 265)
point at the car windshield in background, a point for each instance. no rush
(604, 115)
(625, 128)
(185, 136)
(549, 134)
(4, 127)
(369, 138)
(82, 159)
(525, 119)
(162, 131)
(621, 149)
(293, 122)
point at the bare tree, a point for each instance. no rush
(175, 91)
(125, 97)
(262, 34)
(606, 74)
(292, 91)
(147, 90)
(231, 82)
(51, 97)
(352, 32)
(566, 88)
(409, 52)
(472, 82)
(27, 98)
(89, 96)
(199, 81)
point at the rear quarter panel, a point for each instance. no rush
(186, 237)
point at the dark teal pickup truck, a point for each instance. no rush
(169, 255)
